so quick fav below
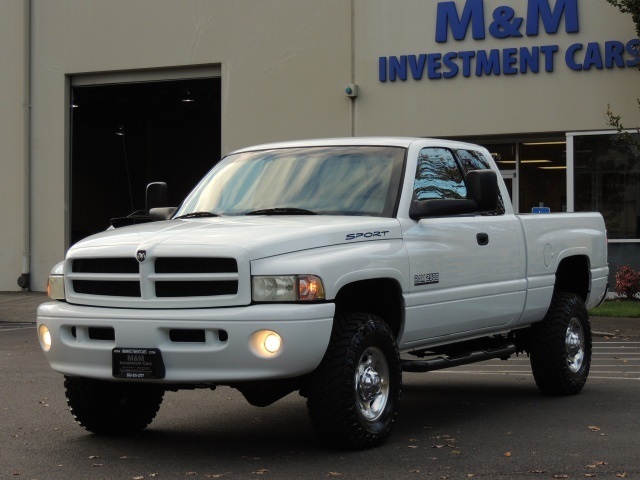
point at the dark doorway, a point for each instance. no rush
(125, 136)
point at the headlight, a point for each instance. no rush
(55, 284)
(55, 287)
(287, 288)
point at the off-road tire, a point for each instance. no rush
(346, 406)
(112, 407)
(561, 346)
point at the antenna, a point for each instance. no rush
(121, 134)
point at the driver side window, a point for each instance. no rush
(438, 176)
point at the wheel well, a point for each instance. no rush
(381, 297)
(572, 276)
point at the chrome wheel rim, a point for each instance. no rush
(575, 345)
(372, 384)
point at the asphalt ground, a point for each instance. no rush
(19, 308)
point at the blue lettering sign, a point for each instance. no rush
(447, 17)
(505, 23)
(541, 10)
(613, 54)
(488, 64)
(529, 60)
(382, 69)
(509, 60)
(592, 57)
(416, 65)
(633, 49)
(398, 68)
(466, 62)
(569, 57)
(549, 51)
(449, 62)
(433, 65)
(546, 14)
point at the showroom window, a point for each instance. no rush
(607, 180)
(606, 177)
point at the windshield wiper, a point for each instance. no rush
(282, 211)
(197, 215)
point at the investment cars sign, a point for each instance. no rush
(540, 17)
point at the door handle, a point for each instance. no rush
(483, 239)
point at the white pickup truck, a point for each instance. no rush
(327, 267)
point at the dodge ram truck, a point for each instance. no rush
(327, 267)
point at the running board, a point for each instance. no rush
(503, 352)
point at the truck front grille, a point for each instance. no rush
(106, 265)
(196, 289)
(162, 277)
(112, 289)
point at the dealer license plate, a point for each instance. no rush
(137, 363)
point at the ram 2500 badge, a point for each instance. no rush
(327, 267)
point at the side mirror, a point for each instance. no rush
(482, 187)
(164, 213)
(482, 196)
(441, 207)
(156, 195)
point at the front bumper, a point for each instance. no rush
(224, 356)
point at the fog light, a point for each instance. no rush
(266, 343)
(45, 337)
(272, 342)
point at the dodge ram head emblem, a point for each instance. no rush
(141, 255)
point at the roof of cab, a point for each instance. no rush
(362, 141)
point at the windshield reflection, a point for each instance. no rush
(353, 180)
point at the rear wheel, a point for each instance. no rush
(561, 346)
(112, 407)
(354, 395)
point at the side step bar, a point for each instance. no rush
(504, 352)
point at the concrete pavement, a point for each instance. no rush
(21, 308)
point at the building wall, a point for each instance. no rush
(284, 65)
(562, 100)
(13, 115)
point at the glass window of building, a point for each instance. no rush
(543, 175)
(607, 180)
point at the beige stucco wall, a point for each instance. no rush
(563, 100)
(284, 64)
(13, 114)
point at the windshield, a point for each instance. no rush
(352, 180)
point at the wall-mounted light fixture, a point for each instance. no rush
(187, 98)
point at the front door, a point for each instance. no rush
(449, 258)
(467, 271)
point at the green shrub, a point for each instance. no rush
(627, 282)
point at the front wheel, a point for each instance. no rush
(354, 395)
(561, 346)
(112, 407)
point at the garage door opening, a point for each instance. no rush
(125, 136)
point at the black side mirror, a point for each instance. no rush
(482, 196)
(156, 195)
(441, 207)
(482, 187)
(164, 213)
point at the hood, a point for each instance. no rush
(259, 236)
